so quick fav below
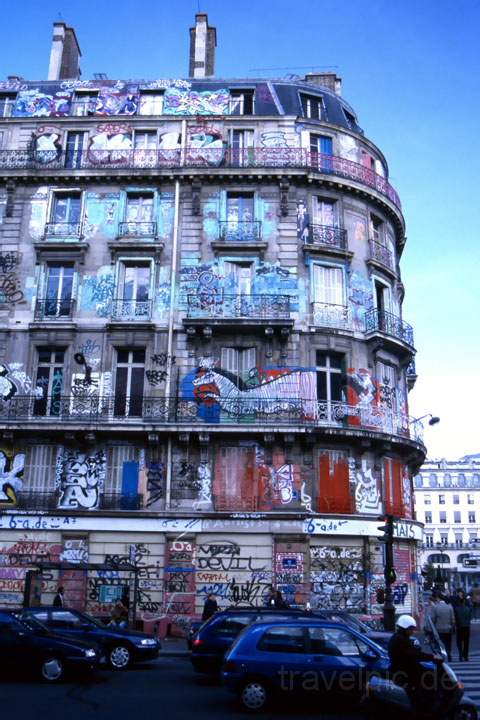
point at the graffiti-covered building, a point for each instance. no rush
(204, 366)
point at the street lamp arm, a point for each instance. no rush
(433, 419)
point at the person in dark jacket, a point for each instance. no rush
(279, 601)
(405, 663)
(58, 600)
(210, 607)
(463, 618)
(270, 596)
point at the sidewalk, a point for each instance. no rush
(174, 647)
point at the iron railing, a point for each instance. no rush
(194, 157)
(44, 500)
(53, 309)
(330, 315)
(386, 322)
(381, 254)
(63, 229)
(126, 310)
(206, 406)
(238, 307)
(327, 236)
(137, 229)
(240, 231)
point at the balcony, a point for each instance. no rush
(131, 310)
(231, 311)
(67, 230)
(52, 310)
(381, 255)
(326, 237)
(388, 326)
(142, 230)
(244, 231)
(36, 500)
(252, 158)
(331, 316)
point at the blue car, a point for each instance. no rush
(301, 658)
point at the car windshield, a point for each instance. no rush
(89, 619)
(31, 622)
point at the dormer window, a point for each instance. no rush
(351, 119)
(151, 103)
(84, 104)
(7, 103)
(241, 102)
(312, 107)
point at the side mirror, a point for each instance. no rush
(370, 654)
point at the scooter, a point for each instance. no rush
(385, 699)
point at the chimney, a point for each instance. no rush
(65, 54)
(326, 79)
(203, 41)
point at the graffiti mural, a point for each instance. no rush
(289, 572)
(205, 146)
(366, 484)
(337, 577)
(360, 298)
(14, 381)
(112, 143)
(191, 102)
(47, 144)
(303, 221)
(75, 550)
(38, 214)
(101, 214)
(118, 100)
(41, 102)
(11, 473)
(97, 291)
(80, 478)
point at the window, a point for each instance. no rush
(50, 380)
(433, 480)
(312, 107)
(457, 516)
(473, 536)
(139, 208)
(443, 516)
(471, 517)
(429, 540)
(441, 499)
(76, 145)
(325, 212)
(84, 104)
(387, 378)
(145, 148)
(40, 461)
(329, 306)
(116, 457)
(368, 160)
(456, 499)
(376, 229)
(283, 640)
(428, 517)
(65, 214)
(321, 151)
(331, 641)
(462, 480)
(476, 480)
(447, 480)
(236, 486)
(65, 619)
(351, 119)
(242, 102)
(240, 212)
(59, 290)
(239, 280)
(382, 300)
(330, 377)
(129, 380)
(238, 361)
(151, 104)
(470, 499)
(427, 500)
(134, 283)
(458, 540)
(443, 539)
(232, 625)
(241, 144)
(7, 103)
(418, 480)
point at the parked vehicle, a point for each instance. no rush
(293, 658)
(385, 699)
(120, 647)
(381, 637)
(28, 645)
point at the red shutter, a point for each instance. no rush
(393, 487)
(334, 487)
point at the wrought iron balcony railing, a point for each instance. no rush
(194, 157)
(131, 310)
(251, 406)
(62, 230)
(44, 500)
(137, 229)
(381, 254)
(327, 236)
(238, 307)
(240, 230)
(332, 316)
(386, 322)
(53, 309)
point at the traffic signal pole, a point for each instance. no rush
(389, 573)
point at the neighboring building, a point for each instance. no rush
(447, 501)
(204, 365)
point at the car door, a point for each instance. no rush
(15, 648)
(69, 623)
(225, 632)
(283, 657)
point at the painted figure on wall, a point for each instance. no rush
(36, 103)
(191, 102)
(11, 473)
(80, 478)
(47, 146)
(303, 221)
(205, 146)
(112, 143)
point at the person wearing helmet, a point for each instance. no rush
(405, 662)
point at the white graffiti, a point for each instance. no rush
(367, 493)
(205, 493)
(75, 551)
(80, 478)
(9, 479)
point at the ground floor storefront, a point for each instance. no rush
(168, 565)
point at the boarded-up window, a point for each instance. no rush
(235, 485)
(393, 486)
(334, 494)
(116, 456)
(39, 474)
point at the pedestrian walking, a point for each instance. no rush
(443, 617)
(270, 596)
(58, 600)
(210, 607)
(279, 601)
(463, 619)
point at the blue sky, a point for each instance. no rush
(411, 69)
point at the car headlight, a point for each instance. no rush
(90, 652)
(150, 642)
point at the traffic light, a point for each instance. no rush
(386, 529)
(390, 575)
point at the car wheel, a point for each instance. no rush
(119, 657)
(51, 669)
(254, 695)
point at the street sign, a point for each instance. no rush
(470, 562)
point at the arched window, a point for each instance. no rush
(433, 480)
(447, 480)
(441, 558)
(462, 480)
(418, 481)
(462, 557)
(476, 480)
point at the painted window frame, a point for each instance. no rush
(45, 279)
(313, 106)
(138, 261)
(125, 400)
(78, 102)
(328, 371)
(246, 96)
(136, 194)
(50, 394)
(56, 193)
(159, 97)
(328, 265)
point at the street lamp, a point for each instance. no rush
(441, 574)
(433, 419)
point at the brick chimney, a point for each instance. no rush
(65, 54)
(326, 79)
(203, 41)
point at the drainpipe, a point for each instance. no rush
(171, 318)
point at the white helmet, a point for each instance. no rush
(406, 621)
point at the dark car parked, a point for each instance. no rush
(209, 641)
(119, 647)
(315, 657)
(27, 644)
